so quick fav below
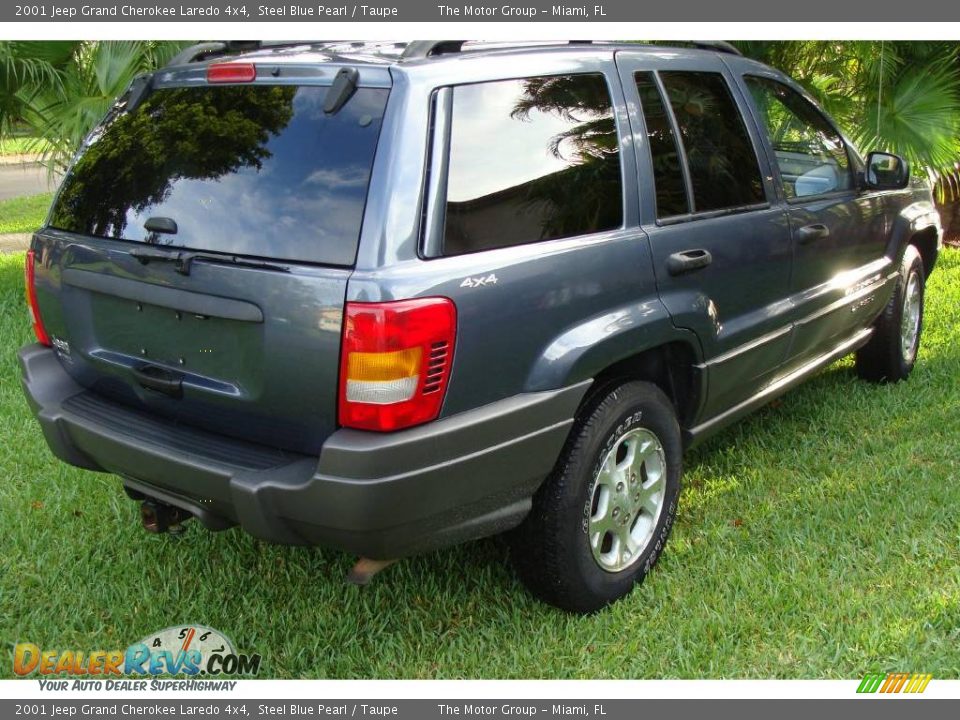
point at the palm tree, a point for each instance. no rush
(26, 68)
(61, 89)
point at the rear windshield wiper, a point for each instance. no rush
(183, 260)
(343, 87)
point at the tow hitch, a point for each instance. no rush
(158, 517)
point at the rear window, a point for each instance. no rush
(253, 170)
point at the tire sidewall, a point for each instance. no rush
(629, 411)
(912, 263)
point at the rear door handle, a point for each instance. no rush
(688, 260)
(809, 233)
(154, 377)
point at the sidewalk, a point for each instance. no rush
(14, 242)
(20, 176)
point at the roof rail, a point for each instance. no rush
(197, 52)
(420, 49)
(716, 45)
(415, 50)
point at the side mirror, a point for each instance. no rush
(886, 171)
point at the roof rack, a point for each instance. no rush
(716, 45)
(421, 49)
(415, 50)
(197, 52)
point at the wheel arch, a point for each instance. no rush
(927, 242)
(635, 343)
(673, 367)
(917, 224)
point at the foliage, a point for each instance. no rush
(61, 89)
(23, 145)
(902, 97)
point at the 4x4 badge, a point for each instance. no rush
(479, 281)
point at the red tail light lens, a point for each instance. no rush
(35, 319)
(395, 362)
(231, 73)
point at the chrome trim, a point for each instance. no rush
(435, 213)
(778, 386)
(750, 345)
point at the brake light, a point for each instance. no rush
(395, 362)
(231, 73)
(35, 319)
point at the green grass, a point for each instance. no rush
(21, 146)
(820, 538)
(24, 214)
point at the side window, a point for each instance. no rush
(811, 156)
(530, 160)
(724, 171)
(667, 165)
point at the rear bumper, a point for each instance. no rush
(376, 495)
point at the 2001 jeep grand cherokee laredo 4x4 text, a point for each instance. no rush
(387, 298)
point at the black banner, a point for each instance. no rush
(431, 10)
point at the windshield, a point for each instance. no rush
(254, 170)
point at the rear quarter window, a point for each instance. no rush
(253, 170)
(530, 160)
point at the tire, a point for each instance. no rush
(891, 353)
(569, 551)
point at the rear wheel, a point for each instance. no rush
(600, 522)
(891, 353)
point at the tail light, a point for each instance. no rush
(395, 362)
(28, 277)
(231, 73)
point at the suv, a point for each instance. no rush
(387, 298)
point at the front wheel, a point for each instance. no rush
(891, 353)
(600, 522)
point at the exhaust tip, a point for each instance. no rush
(365, 569)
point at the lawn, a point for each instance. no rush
(818, 539)
(22, 145)
(24, 214)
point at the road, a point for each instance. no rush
(23, 179)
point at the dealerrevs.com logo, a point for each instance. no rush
(191, 650)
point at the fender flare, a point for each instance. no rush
(585, 350)
(917, 217)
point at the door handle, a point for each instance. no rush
(809, 233)
(688, 260)
(153, 377)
